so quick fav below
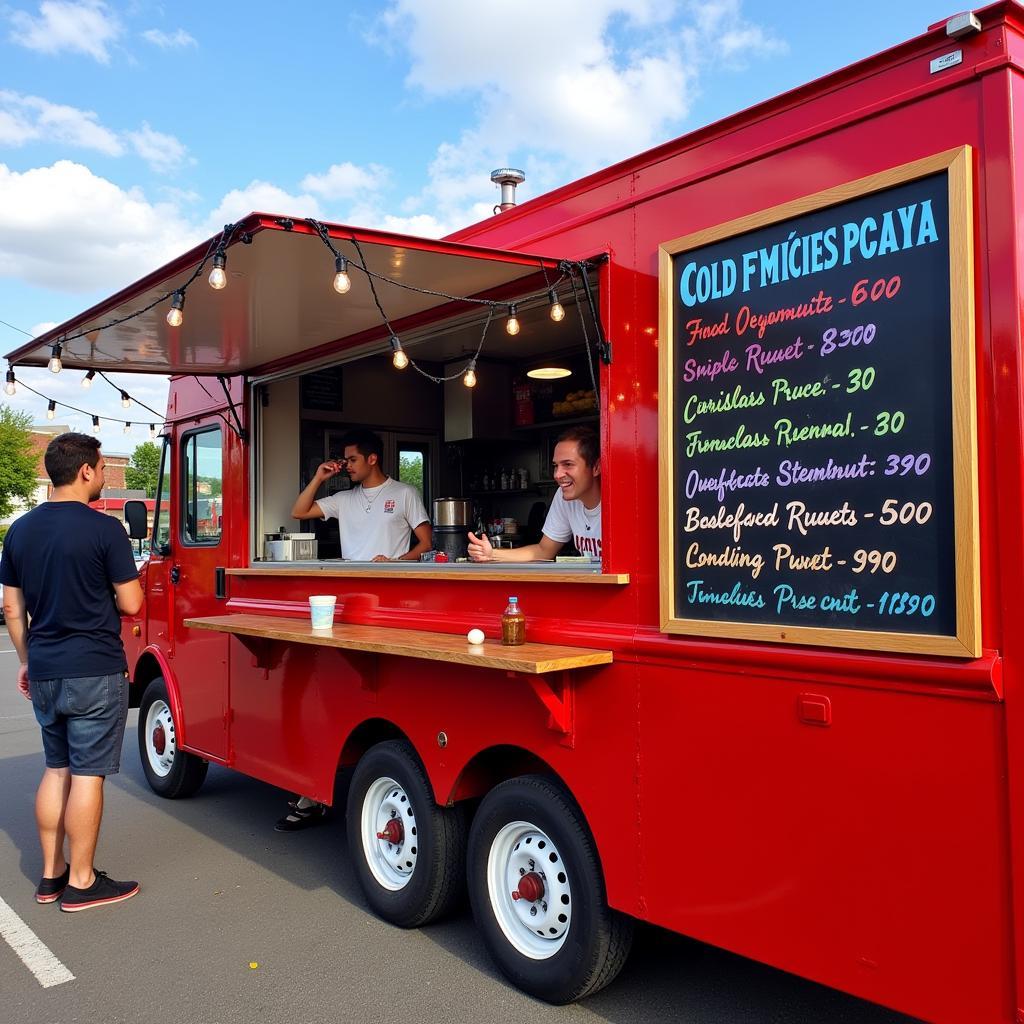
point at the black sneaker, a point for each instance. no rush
(103, 890)
(49, 889)
(299, 818)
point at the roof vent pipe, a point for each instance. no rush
(507, 178)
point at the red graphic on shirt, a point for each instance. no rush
(389, 505)
(586, 545)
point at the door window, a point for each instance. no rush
(161, 538)
(412, 468)
(203, 478)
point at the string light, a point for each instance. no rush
(10, 387)
(218, 277)
(51, 409)
(55, 365)
(87, 379)
(469, 377)
(127, 427)
(557, 310)
(399, 360)
(175, 314)
(126, 402)
(95, 424)
(512, 323)
(152, 431)
(342, 282)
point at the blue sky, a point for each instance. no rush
(130, 131)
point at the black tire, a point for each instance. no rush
(532, 824)
(421, 876)
(170, 771)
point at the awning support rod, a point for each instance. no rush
(604, 347)
(243, 434)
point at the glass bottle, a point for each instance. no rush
(513, 624)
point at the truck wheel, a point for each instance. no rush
(408, 853)
(538, 894)
(170, 772)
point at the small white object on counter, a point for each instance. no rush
(475, 636)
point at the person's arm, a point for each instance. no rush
(305, 507)
(17, 628)
(481, 550)
(128, 596)
(424, 541)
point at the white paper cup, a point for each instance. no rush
(321, 610)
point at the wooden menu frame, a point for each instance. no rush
(966, 642)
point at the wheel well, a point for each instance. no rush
(366, 735)
(146, 670)
(496, 764)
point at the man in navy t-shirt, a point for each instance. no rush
(67, 571)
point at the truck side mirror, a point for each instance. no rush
(135, 517)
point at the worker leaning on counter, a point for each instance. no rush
(375, 518)
(575, 510)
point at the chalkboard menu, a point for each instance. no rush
(320, 391)
(817, 424)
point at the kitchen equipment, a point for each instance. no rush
(452, 512)
(452, 518)
(289, 547)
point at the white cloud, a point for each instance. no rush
(346, 181)
(162, 152)
(65, 228)
(263, 197)
(26, 119)
(169, 41)
(42, 328)
(87, 27)
(564, 101)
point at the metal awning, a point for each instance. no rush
(279, 300)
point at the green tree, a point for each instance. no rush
(142, 474)
(17, 461)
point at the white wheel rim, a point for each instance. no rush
(159, 718)
(537, 928)
(391, 863)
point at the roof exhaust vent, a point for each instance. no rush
(507, 178)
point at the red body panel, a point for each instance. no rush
(882, 853)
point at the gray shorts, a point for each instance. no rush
(82, 721)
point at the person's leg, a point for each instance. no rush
(82, 823)
(51, 803)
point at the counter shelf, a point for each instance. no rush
(521, 572)
(259, 632)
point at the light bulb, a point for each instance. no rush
(152, 431)
(218, 277)
(87, 379)
(127, 428)
(175, 315)
(51, 409)
(55, 365)
(469, 377)
(342, 282)
(95, 424)
(557, 310)
(399, 360)
(10, 386)
(126, 402)
(512, 323)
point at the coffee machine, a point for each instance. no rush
(452, 521)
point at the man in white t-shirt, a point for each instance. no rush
(575, 510)
(378, 515)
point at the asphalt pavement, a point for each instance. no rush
(237, 923)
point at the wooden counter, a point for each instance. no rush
(521, 572)
(532, 659)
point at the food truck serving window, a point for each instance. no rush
(203, 479)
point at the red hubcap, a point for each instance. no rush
(531, 888)
(159, 739)
(392, 832)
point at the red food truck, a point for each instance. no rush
(775, 709)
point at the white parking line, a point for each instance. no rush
(49, 971)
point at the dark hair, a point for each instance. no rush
(588, 444)
(67, 453)
(367, 443)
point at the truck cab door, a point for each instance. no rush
(198, 547)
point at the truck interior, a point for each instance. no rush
(490, 444)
